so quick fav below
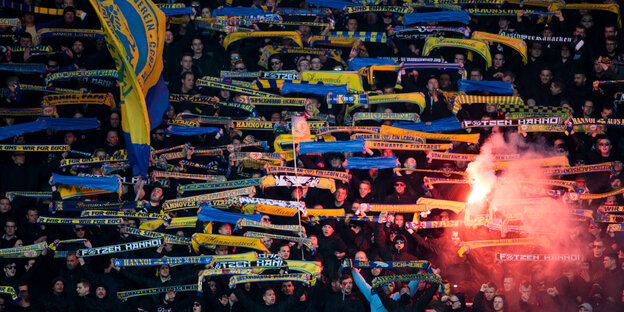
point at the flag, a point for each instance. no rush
(135, 32)
(300, 129)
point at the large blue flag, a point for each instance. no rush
(135, 32)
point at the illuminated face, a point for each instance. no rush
(361, 256)
(498, 304)
(341, 195)
(284, 252)
(197, 46)
(288, 288)
(525, 291)
(82, 289)
(100, 292)
(489, 293)
(364, 189)
(604, 146)
(269, 297)
(508, 284)
(376, 271)
(328, 230)
(58, 287)
(347, 285)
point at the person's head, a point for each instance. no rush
(276, 63)
(188, 80)
(303, 64)
(276, 117)
(352, 24)
(490, 291)
(346, 283)
(585, 307)
(460, 58)
(205, 12)
(284, 251)
(268, 296)
(69, 15)
(5, 205)
(100, 292)
(197, 46)
(112, 137)
(498, 60)
(399, 186)
(157, 194)
(186, 62)
(10, 268)
(315, 63)
(557, 86)
(498, 303)
(364, 188)
(341, 193)
(163, 271)
(52, 66)
(288, 288)
(399, 220)
(611, 44)
(610, 261)
(580, 31)
(399, 242)
(58, 287)
(32, 215)
(546, 76)
(536, 50)
(526, 289)
(476, 74)
(83, 288)
(78, 47)
(603, 145)
(328, 228)
(10, 227)
(235, 56)
(445, 81)
(588, 108)
(587, 21)
(360, 256)
(71, 261)
(239, 66)
(580, 79)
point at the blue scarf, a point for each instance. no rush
(498, 87)
(24, 68)
(442, 16)
(238, 11)
(445, 124)
(371, 162)
(111, 184)
(181, 130)
(318, 89)
(328, 147)
(334, 4)
(208, 213)
(43, 123)
(359, 62)
(177, 11)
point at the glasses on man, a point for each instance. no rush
(275, 63)
(234, 57)
(399, 184)
(604, 144)
(10, 267)
(399, 241)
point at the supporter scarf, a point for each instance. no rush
(187, 153)
(271, 50)
(314, 87)
(12, 195)
(396, 170)
(140, 262)
(502, 12)
(214, 272)
(393, 208)
(105, 73)
(169, 149)
(521, 107)
(612, 209)
(407, 146)
(467, 246)
(28, 87)
(351, 78)
(433, 224)
(219, 186)
(445, 124)
(431, 278)
(8, 290)
(275, 158)
(34, 111)
(189, 176)
(204, 82)
(188, 131)
(110, 184)
(39, 49)
(513, 101)
(74, 221)
(70, 33)
(343, 176)
(441, 16)
(125, 295)
(577, 196)
(371, 162)
(499, 87)
(209, 214)
(328, 130)
(469, 138)
(297, 181)
(271, 202)
(557, 161)
(610, 7)
(365, 36)
(71, 191)
(216, 169)
(282, 75)
(331, 147)
(415, 98)
(511, 122)
(121, 157)
(250, 163)
(553, 39)
(349, 218)
(43, 123)
(119, 248)
(175, 223)
(507, 257)
(303, 266)
(218, 120)
(582, 213)
(389, 265)
(23, 249)
(256, 100)
(431, 203)
(387, 137)
(301, 12)
(260, 225)
(255, 125)
(364, 9)
(305, 241)
(473, 45)
(235, 36)
(170, 239)
(595, 121)
(12, 22)
(23, 68)
(234, 241)
(615, 227)
(298, 277)
(277, 210)
(175, 203)
(416, 31)
(543, 128)
(121, 214)
(386, 116)
(429, 182)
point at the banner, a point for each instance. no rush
(553, 39)
(169, 238)
(105, 73)
(34, 148)
(135, 35)
(119, 248)
(260, 225)
(125, 295)
(220, 185)
(469, 138)
(297, 181)
(122, 214)
(242, 279)
(234, 241)
(75, 221)
(507, 257)
(407, 146)
(304, 241)
(467, 246)
(386, 116)
(511, 122)
(69, 33)
(343, 176)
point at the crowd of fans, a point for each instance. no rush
(556, 74)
